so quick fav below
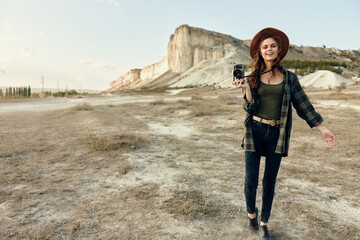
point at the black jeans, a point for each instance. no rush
(265, 139)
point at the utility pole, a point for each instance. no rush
(0, 88)
(42, 90)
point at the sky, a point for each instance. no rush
(86, 44)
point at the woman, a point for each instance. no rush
(269, 94)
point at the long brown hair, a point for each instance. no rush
(259, 64)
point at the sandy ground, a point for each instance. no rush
(49, 104)
(168, 166)
(43, 104)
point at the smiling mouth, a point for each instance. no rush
(270, 54)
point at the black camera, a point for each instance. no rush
(239, 71)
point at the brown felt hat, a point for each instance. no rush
(267, 32)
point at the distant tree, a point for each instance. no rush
(47, 94)
(29, 92)
(324, 46)
(23, 92)
(1, 93)
(305, 67)
(72, 92)
(336, 70)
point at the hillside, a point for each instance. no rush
(197, 56)
(324, 79)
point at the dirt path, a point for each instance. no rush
(50, 104)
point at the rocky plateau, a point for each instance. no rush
(197, 57)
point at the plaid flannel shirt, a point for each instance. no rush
(293, 95)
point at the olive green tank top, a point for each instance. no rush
(270, 96)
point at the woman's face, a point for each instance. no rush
(269, 49)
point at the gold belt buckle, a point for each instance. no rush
(272, 123)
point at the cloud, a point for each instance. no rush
(10, 36)
(6, 30)
(10, 40)
(85, 63)
(111, 2)
(35, 34)
(105, 65)
(27, 51)
(97, 65)
(6, 26)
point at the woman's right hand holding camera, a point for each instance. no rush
(244, 84)
(241, 83)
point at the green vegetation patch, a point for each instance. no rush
(303, 67)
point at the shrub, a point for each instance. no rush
(114, 142)
(303, 67)
(83, 107)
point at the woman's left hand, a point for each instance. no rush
(328, 136)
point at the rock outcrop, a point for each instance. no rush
(136, 78)
(188, 47)
(200, 57)
(126, 80)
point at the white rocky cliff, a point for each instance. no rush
(191, 49)
(189, 46)
(200, 57)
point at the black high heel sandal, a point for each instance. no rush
(253, 222)
(264, 233)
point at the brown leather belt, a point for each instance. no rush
(269, 122)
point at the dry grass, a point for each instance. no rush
(82, 107)
(100, 172)
(158, 102)
(339, 96)
(209, 107)
(112, 142)
(192, 204)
